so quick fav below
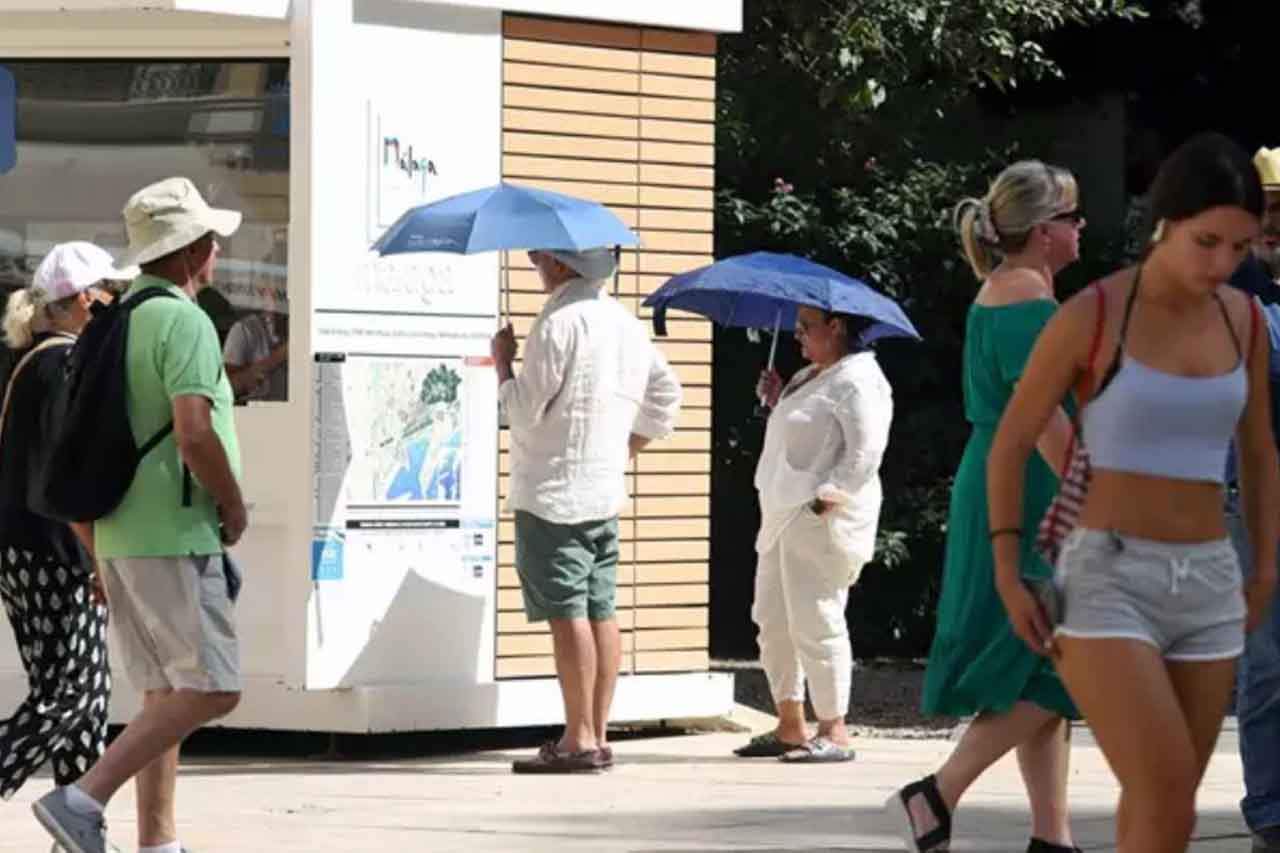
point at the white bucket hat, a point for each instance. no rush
(169, 215)
(72, 268)
(590, 263)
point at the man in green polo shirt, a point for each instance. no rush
(162, 550)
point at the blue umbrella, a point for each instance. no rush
(502, 217)
(764, 289)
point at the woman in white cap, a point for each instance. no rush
(57, 612)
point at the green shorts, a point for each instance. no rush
(567, 571)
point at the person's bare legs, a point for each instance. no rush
(987, 739)
(791, 724)
(1203, 689)
(156, 786)
(1160, 753)
(156, 790)
(165, 721)
(835, 731)
(608, 645)
(575, 653)
(1044, 760)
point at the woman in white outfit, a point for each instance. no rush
(819, 484)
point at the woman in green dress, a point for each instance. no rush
(1030, 224)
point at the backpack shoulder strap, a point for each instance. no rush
(154, 441)
(146, 294)
(50, 343)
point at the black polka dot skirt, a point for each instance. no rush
(62, 637)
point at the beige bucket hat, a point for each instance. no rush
(1267, 162)
(168, 215)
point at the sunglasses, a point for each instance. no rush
(1075, 217)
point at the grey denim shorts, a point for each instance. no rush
(1186, 600)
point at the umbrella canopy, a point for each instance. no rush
(505, 216)
(763, 290)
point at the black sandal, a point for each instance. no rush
(935, 841)
(1039, 845)
(767, 745)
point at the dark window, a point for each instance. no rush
(91, 133)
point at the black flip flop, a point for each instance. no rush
(767, 745)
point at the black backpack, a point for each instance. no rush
(91, 457)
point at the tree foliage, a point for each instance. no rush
(440, 385)
(847, 131)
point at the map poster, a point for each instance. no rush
(404, 446)
(405, 419)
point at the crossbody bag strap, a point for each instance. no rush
(50, 343)
(1088, 377)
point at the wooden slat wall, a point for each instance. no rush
(625, 116)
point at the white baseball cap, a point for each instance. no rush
(74, 267)
(169, 215)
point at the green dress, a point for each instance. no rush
(977, 663)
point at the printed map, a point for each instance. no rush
(408, 448)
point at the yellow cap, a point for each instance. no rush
(1267, 161)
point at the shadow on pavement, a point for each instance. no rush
(984, 828)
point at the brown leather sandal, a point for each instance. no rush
(551, 760)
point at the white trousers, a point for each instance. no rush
(802, 587)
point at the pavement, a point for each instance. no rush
(674, 794)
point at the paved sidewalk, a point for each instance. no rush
(673, 794)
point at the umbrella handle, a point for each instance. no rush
(617, 268)
(762, 409)
(505, 319)
(773, 345)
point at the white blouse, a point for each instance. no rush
(825, 439)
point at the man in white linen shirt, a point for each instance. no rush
(592, 392)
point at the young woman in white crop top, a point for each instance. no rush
(1154, 610)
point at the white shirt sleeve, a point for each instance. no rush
(863, 417)
(661, 404)
(237, 351)
(527, 396)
